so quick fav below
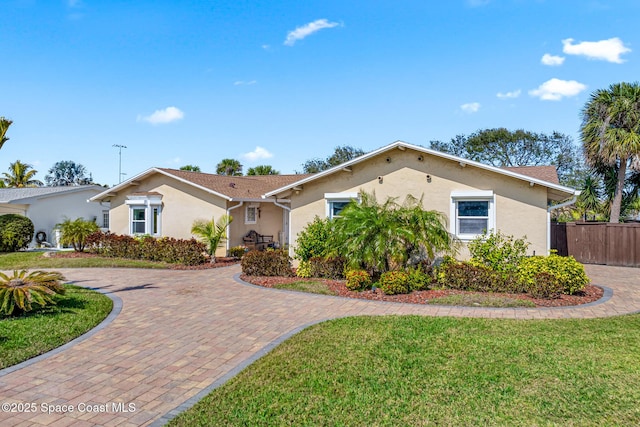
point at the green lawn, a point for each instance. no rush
(39, 331)
(33, 259)
(417, 371)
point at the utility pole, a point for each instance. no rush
(120, 147)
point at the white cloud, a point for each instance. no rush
(556, 89)
(509, 95)
(168, 115)
(605, 50)
(258, 154)
(552, 60)
(243, 83)
(308, 29)
(471, 107)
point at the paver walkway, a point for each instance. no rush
(180, 332)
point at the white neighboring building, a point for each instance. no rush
(48, 206)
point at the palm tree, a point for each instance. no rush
(229, 167)
(190, 168)
(4, 125)
(610, 133)
(21, 175)
(262, 170)
(589, 199)
(212, 233)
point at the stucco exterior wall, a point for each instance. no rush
(269, 222)
(520, 209)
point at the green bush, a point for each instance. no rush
(16, 232)
(467, 276)
(267, 263)
(312, 241)
(500, 253)
(328, 267)
(75, 232)
(237, 251)
(358, 280)
(568, 272)
(420, 278)
(545, 285)
(21, 290)
(394, 282)
(304, 269)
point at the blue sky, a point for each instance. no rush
(280, 82)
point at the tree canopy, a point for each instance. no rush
(501, 147)
(4, 126)
(340, 155)
(67, 173)
(262, 170)
(191, 168)
(231, 167)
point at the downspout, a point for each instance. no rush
(229, 226)
(288, 210)
(552, 208)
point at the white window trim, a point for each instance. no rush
(463, 196)
(148, 203)
(246, 214)
(337, 197)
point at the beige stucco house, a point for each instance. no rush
(475, 197)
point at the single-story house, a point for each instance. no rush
(48, 206)
(474, 197)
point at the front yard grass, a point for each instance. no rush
(41, 330)
(310, 286)
(415, 371)
(35, 259)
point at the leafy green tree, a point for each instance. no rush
(383, 236)
(212, 233)
(21, 175)
(75, 232)
(4, 126)
(501, 147)
(230, 167)
(67, 173)
(610, 134)
(340, 155)
(262, 170)
(191, 168)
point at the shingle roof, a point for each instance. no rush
(15, 195)
(543, 173)
(236, 187)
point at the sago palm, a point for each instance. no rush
(610, 133)
(21, 290)
(212, 233)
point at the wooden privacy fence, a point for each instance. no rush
(598, 243)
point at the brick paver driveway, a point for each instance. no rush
(181, 332)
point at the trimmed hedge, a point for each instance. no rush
(16, 232)
(164, 249)
(567, 272)
(267, 263)
(328, 267)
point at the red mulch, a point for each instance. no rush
(590, 294)
(220, 262)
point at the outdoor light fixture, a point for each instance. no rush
(428, 178)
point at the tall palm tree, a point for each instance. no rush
(4, 125)
(610, 133)
(229, 167)
(21, 175)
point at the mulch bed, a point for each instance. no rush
(590, 294)
(220, 262)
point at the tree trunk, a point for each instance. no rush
(616, 205)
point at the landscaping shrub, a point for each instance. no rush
(545, 285)
(420, 278)
(237, 251)
(312, 241)
(568, 272)
(394, 282)
(304, 269)
(75, 232)
(165, 249)
(358, 280)
(467, 276)
(500, 253)
(16, 232)
(21, 290)
(267, 263)
(328, 267)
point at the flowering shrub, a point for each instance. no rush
(358, 280)
(394, 282)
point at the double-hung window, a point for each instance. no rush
(336, 202)
(472, 213)
(145, 214)
(251, 214)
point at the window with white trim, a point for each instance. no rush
(105, 219)
(251, 215)
(145, 214)
(472, 213)
(336, 202)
